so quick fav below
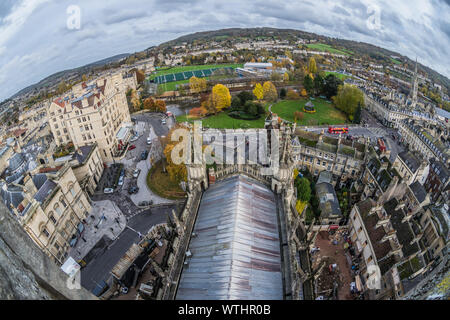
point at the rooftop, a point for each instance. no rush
(236, 254)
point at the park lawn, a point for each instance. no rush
(160, 183)
(395, 61)
(165, 71)
(325, 112)
(223, 121)
(328, 48)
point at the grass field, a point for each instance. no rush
(164, 71)
(223, 121)
(395, 61)
(338, 75)
(328, 48)
(325, 112)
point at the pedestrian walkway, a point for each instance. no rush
(105, 219)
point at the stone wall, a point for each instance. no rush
(27, 273)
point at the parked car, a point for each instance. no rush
(145, 203)
(163, 121)
(149, 141)
(144, 155)
(136, 173)
(133, 190)
(121, 179)
(108, 190)
(132, 147)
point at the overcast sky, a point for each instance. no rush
(35, 40)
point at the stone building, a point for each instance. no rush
(51, 207)
(437, 182)
(90, 113)
(428, 140)
(342, 157)
(27, 272)
(87, 165)
(410, 166)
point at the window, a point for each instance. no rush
(360, 229)
(63, 203)
(52, 218)
(72, 191)
(58, 209)
(57, 246)
(45, 233)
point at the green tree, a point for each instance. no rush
(303, 189)
(348, 99)
(331, 85)
(308, 84)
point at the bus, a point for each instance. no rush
(338, 130)
(381, 145)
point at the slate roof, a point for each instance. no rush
(381, 249)
(16, 161)
(405, 234)
(419, 191)
(410, 159)
(11, 196)
(45, 190)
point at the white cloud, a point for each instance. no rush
(35, 42)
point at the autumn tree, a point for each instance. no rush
(298, 116)
(197, 85)
(304, 93)
(258, 91)
(270, 92)
(160, 106)
(221, 97)
(292, 95)
(177, 172)
(312, 67)
(149, 104)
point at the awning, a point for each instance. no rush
(122, 134)
(334, 227)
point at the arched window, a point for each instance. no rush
(72, 189)
(58, 209)
(61, 199)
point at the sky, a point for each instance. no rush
(41, 37)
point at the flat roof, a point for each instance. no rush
(236, 253)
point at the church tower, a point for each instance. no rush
(414, 88)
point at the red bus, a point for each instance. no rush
(381, 145)
(337, 130)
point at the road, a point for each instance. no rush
(373, 131)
